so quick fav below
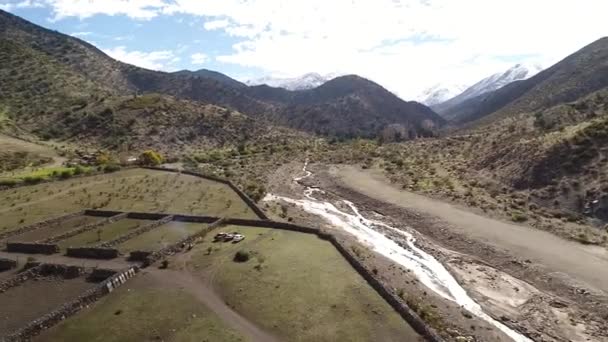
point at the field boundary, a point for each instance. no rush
(38, 225)
(259, 212)
(73, 306)
(85, 228)
(137, 232)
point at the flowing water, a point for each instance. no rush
(428, 269)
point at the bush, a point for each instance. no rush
(33, 179)
(8, 182)
(518, 217)
(65, 174)
(111, 168)
(241, 256)
(78, 170)
(150, 158)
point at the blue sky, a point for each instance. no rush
(406, 45)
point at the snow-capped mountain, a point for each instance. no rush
(516, 73)
(440, 93)
(307, 81)
(499, 80)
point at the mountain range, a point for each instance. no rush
(304, 82)
(486, 85)
(61, 86)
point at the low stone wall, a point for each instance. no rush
(272, 224)
(86, 228)
(101, 274)
(67, 272)
(141, 256)
(389, 296)
(31, 248)
(70, 308)
(102, 213)
(39, 225)
(176, 247)
(146, 216)
(92, 253)
(166, 219)
(19, 279)
(7, 264)
(195, 219)
(259, 212)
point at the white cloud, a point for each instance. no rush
(404, 45)
(216, 24)
(136, 9)
(155, 60)
(21, 4)
(199, 58)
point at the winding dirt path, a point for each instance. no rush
(201, 291)
(586, 264)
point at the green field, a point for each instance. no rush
(297, 286)
(131, 190)
(143, 311)
(54, 229)
(161, 237)
(103, 234)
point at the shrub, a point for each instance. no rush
(65, 174)
(111, 168)
(33, 179)
(150, 158)
(78, 170)
(164, 264)
(241, 256)
(8, 182)
(518, 217)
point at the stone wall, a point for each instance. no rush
(146, 216)
(31, 248)
(92, 252)
(151, 258)
(259, 212)
(389, 296)
(115, 217)
(72, 307)
(165, 219)
(101, 213)
(39, 225)
(272, 224)
(7, 264)
(195, 219)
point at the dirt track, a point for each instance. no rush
(206, 295)
(586, 264)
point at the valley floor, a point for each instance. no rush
(546, 287)
(583, 262)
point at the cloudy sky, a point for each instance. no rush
(404, 45)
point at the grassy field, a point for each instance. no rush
(143, 311)
(130, 190)
(54, 229)
(297, 286)
(36, 298)
(161, 237)
(103, 234)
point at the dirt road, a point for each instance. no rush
(206, 295)
(587, 264)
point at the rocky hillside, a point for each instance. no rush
(51, 73)
(577, 75)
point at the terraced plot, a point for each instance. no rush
(103, 234)
(35, 298)
(160, 237)
(54, 229)
(130, 190)
(296, 286)
(144, 310)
